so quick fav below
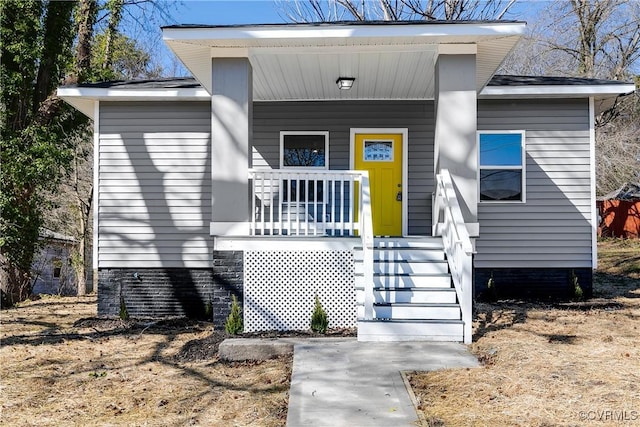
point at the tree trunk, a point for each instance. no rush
(114, 21)
(15, 285)
(87, 13)
(79, 259)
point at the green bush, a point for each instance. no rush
(208, 311)
(491, 294)
(576, 290)
(124, 314)
(233, 326)
(319, 320)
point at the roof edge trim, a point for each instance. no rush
(492, 28)
(556, 90)
(112, 93)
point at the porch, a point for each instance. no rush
(311, 233)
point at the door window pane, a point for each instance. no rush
(378, 151)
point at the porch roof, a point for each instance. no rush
(84, 96)
(389, 60)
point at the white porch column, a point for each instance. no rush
(456, 124)
(231, 124)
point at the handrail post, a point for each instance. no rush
(366, 233)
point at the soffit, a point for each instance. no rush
(291, 63)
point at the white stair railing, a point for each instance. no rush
(449, 223)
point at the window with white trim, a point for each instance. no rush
(304, 149)
(301, 150)
(501, 166)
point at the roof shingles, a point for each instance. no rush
(497, 80)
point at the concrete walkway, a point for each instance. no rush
(342, 382)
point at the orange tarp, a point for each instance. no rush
(619, 218)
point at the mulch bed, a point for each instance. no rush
(194, 350)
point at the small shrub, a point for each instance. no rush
(576, 290)
(492, 289)
(208, 311)
(124, 314)
(319, 320)
(233, 326)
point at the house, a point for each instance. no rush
(381, 166)
(52, 270)
(619, 212)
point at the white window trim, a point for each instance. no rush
(523, 168)
(305, 132)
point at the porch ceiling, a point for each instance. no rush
(292, 62)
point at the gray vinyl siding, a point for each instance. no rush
(269, 118)
(553, 227)
(154, 205)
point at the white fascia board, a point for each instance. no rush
(84, 99)
(292, 32)
(549, 91)
(116, 94)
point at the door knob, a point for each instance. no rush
(399, 196)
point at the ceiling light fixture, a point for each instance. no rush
(345, 83)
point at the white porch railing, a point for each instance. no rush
(448, 223)
(303, 202)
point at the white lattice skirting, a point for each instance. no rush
(280, 288)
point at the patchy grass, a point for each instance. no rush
(619, 257)
(59, 366)
(571, 364)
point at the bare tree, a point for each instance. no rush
(393, 10)
(586, 38)
(618, 146)
(596, 39)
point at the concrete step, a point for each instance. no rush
(423, 311)
(410, 295)
(407, 280)
(406, 267)
(410, 330)
(412, 254)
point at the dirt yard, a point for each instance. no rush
(60, 366)
(571, 364)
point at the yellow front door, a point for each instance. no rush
(381, 155)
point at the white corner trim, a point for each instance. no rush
(96, 182)
(458, 49)
(592, 173)
(554, 90)
(220, 228)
